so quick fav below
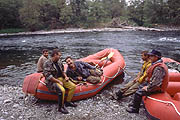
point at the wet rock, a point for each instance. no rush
(21, 97)
(15, 105)
(7, 101)
(99, 107)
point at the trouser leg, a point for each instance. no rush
(61, 93)
(137, 101)
(123, 89)
(138, 97)
(134, 108)
(71, 88)
(132, 89)
(127, 86)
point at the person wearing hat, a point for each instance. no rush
(157, 81)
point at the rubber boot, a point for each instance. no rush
(119, 95)
(135, 104)
(71, 104)
(61, 107)
(63, 110)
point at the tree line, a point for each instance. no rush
(56, 14)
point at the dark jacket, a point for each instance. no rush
(50, 71)
(82, 69)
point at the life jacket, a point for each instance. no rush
(164, 85)
(143, 73)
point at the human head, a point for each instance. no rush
(144, 55)
(56, 54)
(45, 52)
(69, 62)
(154, 55)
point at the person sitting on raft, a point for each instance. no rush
(157, 81)
(56, 81)
(42, 60)
(82, 71)
(133, 85)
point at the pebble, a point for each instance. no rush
(94, 108)
(15, 105)
(7, 101)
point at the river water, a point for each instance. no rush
(19, 54)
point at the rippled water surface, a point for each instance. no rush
(19, 54)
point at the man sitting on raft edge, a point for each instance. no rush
(56, 81)
(132, 86)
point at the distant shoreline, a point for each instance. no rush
(80, 30)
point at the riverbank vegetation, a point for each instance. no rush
(35, 15)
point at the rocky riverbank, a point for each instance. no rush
(100, 107)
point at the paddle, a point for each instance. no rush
(107, 58)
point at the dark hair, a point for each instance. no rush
(68, 58)
(55, 52)
(44, 50)
(145, 53)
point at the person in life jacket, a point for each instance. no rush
(157, 81)
(132, 86)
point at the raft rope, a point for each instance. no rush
(42, 82)
(128, 73)
(167, 102)
(114, 74)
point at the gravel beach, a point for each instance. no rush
(14, 106)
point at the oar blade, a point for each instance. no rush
(110, 55)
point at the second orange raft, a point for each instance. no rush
(165, 106)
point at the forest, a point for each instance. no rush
(32, 15)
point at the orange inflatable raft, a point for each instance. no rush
(112, 67)
(165, 106)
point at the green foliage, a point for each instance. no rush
(79, 12)
(54, 14)
(9, 15)
(136, 11)
(174, 11)
(114, 8)
(146, 12)
(96, 14)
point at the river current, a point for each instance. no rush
(19, 54)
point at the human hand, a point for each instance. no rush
(67, 79)
(61, 83)
(135, 80)
(79, 78)
(145, 88)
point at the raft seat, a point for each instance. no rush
(177, 96)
